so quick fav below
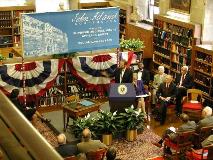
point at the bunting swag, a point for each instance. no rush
(88, 70)
(39, 77)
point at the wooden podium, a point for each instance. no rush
(121, 96)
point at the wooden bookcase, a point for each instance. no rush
(173, 41)
(10, 25)
(203, 70)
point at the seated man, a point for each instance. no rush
(207, 119)
(183, 81)
(88, 144)
(65, 150)
(171, 132)
(158, 79)
(165, 93)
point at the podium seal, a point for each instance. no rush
(122, 89)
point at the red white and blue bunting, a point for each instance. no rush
(88, 70)
(39, 77)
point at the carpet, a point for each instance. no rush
(141, 149)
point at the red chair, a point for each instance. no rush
(96, 155)
(205, 153)
(193, 106)
(183, 142)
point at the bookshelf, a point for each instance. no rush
(173, 41)
(10, 35)
(203, 70)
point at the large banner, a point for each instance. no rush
(70, 31)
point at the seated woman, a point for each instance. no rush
(140, 90)
(27, 112)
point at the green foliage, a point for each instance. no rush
(132, 44)
(65, 55)
(81, 123)
(106, 123)
(131, 118)
(1, 57)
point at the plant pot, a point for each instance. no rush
(131, 135)
(107, 139)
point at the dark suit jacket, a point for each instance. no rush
(67, 150)
(127, 76)
(208, 121)
(166, 92)
(187, 82)
(145, 76)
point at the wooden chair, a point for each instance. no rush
(183, 143)
(70, 158)
(202, 135)
(193, 106)
(201, 154)
(96, 155)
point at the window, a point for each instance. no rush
(153, 8)
(147, 8)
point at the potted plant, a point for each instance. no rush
(81, 123)
(106, 126)
(1, 58)
(135, 45)
(132, 119)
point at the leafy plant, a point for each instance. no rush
(131, 118)
(65, 55)
(132, 44)
(81, 123)
(106, 123)
(1, 57)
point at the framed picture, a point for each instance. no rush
(181, 5)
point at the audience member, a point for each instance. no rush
(88, 144)
(183, 81)
(140, 90)
(208, 141)
(64, 149)
(122, 74)
(158, 79)
(165, 93)
(171, 132)
(143, 74)
(27, 112)
(207, 118)
(111, 154)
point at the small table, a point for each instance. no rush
(78, 111)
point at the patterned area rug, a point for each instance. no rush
(140, 149)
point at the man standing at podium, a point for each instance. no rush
(122, 74)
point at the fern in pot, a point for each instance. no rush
(135, 45)
(132, 120)
(106, 126)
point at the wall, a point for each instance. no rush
(53, 5)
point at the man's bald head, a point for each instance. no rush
(61, 138)
(86, 134)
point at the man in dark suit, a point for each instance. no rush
(143, 74)
(88, 144)
(165, 93)
(122, 74)
(183, 81)
(65, 150)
